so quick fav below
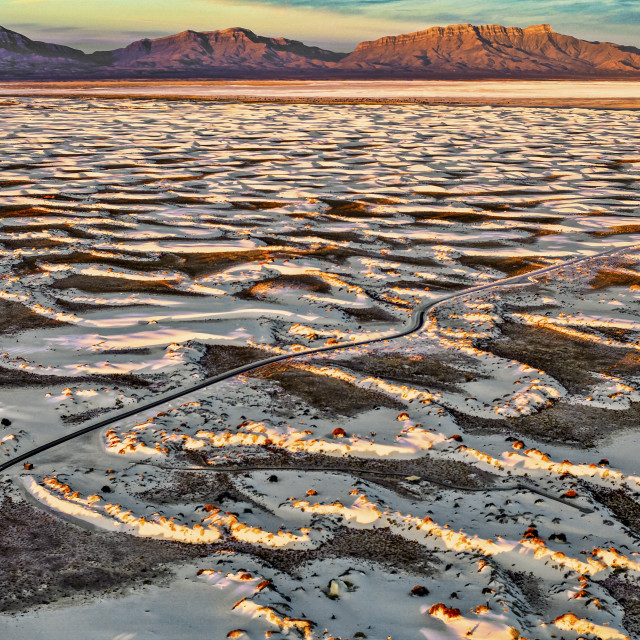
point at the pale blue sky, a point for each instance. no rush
(337, 24)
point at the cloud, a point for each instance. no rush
(336, 24)
(494, 11)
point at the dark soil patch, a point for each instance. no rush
(105, 284)
(430, 372)
(568, 424)
(612, 278)
(327, 394)
(379, 546)
(509, 266)
(569, 360)
(303, 282)
(626, 590)
(220, 358)
(45, 558)
(21, 378)
(621, 503)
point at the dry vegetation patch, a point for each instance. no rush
(510, 266)
(45, 558)
(22, 378)
(218, 358)
(106, 284)
(626, 590)
(326, 394)
(441, 471)
(613, 278)
(15, 317)
(572, 425)
(569, 360)
(531, 588)
(621, 503)
(617, 230)
(302, 282)
(370, 314)
(379, 546)
(429, 372)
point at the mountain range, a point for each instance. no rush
(458, 51)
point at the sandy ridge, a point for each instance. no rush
(416, 322)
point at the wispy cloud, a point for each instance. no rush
(527, 11)
(339, 24)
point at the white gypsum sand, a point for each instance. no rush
(145, 246)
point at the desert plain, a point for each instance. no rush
(460, 463)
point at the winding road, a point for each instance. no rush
(415, 324)
(522, 486)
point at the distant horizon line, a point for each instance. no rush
(296, 39)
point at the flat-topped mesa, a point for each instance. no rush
(465, 50)
(542, 28)
(455, 31)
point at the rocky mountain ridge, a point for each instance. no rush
(457, 51)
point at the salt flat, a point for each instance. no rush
(622, 94)
(146, 245)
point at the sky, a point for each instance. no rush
(336, 24)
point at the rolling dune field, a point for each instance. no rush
(477, 478)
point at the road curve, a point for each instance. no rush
(415, 323)
(522, 486)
